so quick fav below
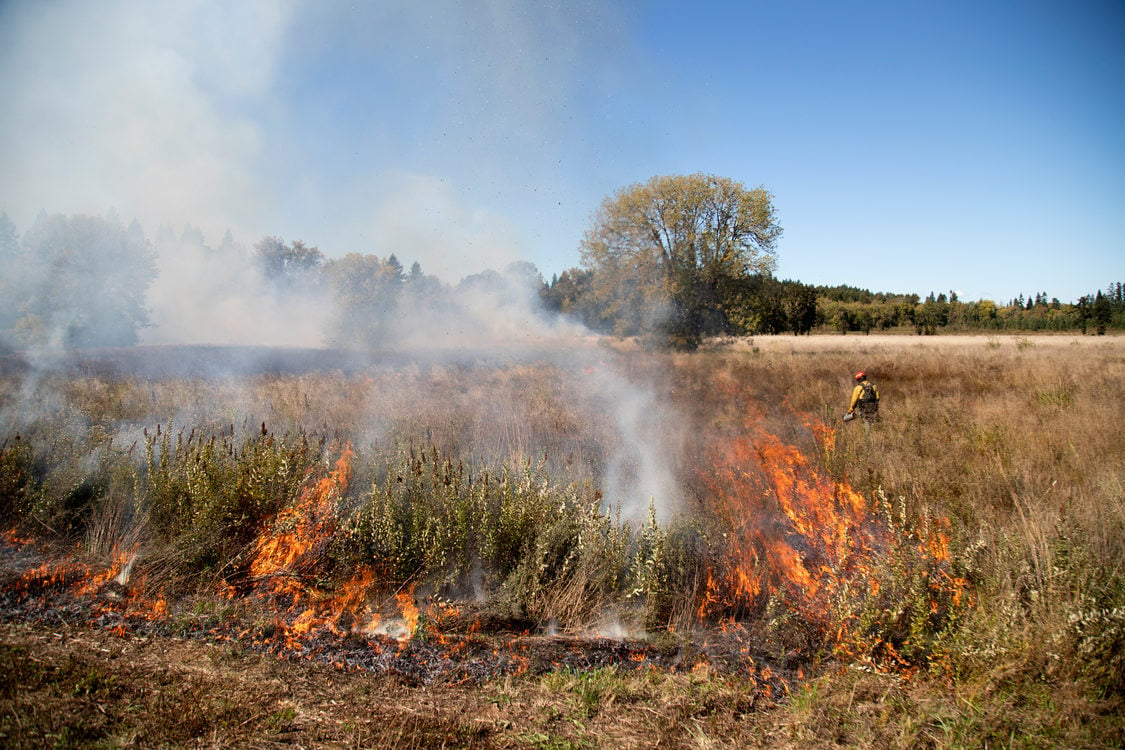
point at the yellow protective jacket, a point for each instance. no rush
(859, 392)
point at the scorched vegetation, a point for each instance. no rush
(953, 576)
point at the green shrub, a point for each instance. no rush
(671, 572)
(68, 479)
(418, 523)
(575, 569)
(15, 477)
(208, 495)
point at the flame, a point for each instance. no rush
(11, 538)
(796, 536)
(119, 571)
(409, 610)
(791, 529)
(301, 531)
(295, 541)
(824, 434)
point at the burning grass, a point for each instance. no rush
(961, 561)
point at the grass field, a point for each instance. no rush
(952, 577)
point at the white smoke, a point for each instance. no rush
(204, 295)
(423, 218)
(642, 470)
(183, 114)
(125, 104)
(439, 137)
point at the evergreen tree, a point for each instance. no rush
(1101, 313)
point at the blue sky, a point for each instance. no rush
(909, 146)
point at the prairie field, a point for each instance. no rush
(586, 546)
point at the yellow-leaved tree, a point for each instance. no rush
(661, 252)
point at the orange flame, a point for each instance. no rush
(798, 536)
(792, 529)
(298, 532)
(119, 569)
(409, 610)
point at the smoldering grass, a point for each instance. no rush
(1018, 447)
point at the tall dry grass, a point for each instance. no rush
(1017, 441)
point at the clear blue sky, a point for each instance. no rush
(910, 146)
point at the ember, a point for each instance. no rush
(39, 594)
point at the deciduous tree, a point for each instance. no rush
(366, 290)
(286, 264)
(659, 249)
(82, 282)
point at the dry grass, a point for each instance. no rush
(1016, 440)
(1019, 442)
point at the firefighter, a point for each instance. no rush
(865, 398)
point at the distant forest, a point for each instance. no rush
(82, 281)
(764, 305)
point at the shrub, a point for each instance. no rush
(671, 571)
(545, 550)
(208, 495)
(15, 477)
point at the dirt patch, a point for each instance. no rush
(103, 667)
(77, 686)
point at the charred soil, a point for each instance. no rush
(103, 666)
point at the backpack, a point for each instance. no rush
(867, 400)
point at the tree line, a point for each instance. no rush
(81, 281)
(687, 257)
(677, 259)
(764, 305)
(847, 309)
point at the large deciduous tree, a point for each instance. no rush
(287, 265)
(366, 289)
(82, 282)
(660, 250)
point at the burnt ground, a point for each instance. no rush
(103, 667)
(219, 361)
(82, 686)
(85, 665)
(91, 670)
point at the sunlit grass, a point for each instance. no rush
(486, 480)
